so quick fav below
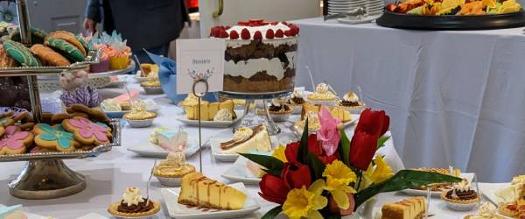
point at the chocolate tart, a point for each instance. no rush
(466, 201)
(113, 209)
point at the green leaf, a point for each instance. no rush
(316, 165)
(303, 145)
(271, 214)
(344, 145)
(381, 141)
(273, 165)
(403, 179)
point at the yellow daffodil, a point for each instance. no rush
(279, 153)
(338, 177)
(382, 171)
(305, 203)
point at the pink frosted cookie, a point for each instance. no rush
(15, 141)
(86, 131)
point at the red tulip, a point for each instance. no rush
(316, 149)
(291, 152)
(373, 122)
(371, 126)
(296, 175)
(273, 189)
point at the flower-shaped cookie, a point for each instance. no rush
(54, 137)
(15, 141)
(86, 131)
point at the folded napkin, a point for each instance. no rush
(168, 79)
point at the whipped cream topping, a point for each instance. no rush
(351, 97)
(110, 105)
(132, 196)
(174, 159)
(248, 68)
(276, 102)
(322, 88)
(297, 94)
(223, 115)
(463, 186)
(242, 134)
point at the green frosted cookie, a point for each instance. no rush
(67, 49)
(20, 53)
(83, 42)
(37, 35)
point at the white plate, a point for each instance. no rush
(360, 21)
(152, 150)
(210, 124)
(29, 215)
(489, 190)
(239, 172)
(179, 211)
(417, 192)
(216, 150)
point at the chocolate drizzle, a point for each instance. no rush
(462, 195)
(281, 108)
(141, 207)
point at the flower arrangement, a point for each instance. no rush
(326, 175)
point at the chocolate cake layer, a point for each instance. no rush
(257, 50)
(260, 82)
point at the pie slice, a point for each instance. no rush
(248, 140)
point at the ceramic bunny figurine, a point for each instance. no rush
(77, 90)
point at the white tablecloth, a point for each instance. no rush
(110, 173)
(454, 97)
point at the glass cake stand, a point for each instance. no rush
(250, 118)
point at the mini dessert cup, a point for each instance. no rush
(282, 116)
(460, 204)
(113, 210)
(172, 179)
(140, 121)
(153, 90)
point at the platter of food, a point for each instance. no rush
(453, 15)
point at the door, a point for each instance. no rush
(237, 10)
(51, 15)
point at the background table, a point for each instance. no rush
(454, 97)
(110, 173)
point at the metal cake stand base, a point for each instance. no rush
(46, 179)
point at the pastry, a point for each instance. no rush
(170, 171)
(223, 115)
(54, 138)
(260, 56)
(461, 197)
(297, 98)
(15, 141)
(337, 112)
(11, 118)
(486, 211)
(5, 60)
(246, 140)
(87, 132)
(70, 38)
(20, 53)
(133, 204)
(94, 114)
(146, 69)
(200, 191)
(70, 51)
(410, 208)
(48, 56)
(170, 140)
(208, 110)
(454, 7)
(350, 99)
(323, 92)
(138, 112)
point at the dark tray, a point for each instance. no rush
(451, 22)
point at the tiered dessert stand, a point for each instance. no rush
(45, 175)
(250, 118)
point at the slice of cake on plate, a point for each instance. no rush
(411, 208)
(246, 140)
(201, 191)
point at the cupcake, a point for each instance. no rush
(152, 86)
(279, 110)
(351, 102)
(139, 117)
(297, 101)
(486, 211)
(171, 170)
(323, 95)
(461, 197)
(133, 204)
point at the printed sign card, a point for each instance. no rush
(200, 59)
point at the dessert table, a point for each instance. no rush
(110, 173)
(454, 97)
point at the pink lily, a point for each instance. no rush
(328, 134)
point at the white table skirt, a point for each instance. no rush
(454, 97)
(110, 173)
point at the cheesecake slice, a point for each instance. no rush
(247, 140)
(411, 208)
(200, 191)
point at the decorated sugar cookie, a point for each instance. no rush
(86, 131)
(15, 141)
(54, 138)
